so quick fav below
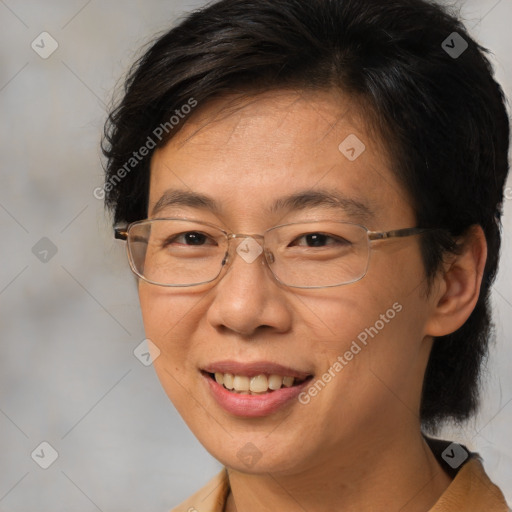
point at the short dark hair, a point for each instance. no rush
(443, 116)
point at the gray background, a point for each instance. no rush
(69, 325)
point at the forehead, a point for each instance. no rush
(300, 120)
(263, 147)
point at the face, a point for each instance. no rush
(361, 347)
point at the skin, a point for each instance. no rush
(357, 444)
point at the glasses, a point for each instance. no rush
(312, 254)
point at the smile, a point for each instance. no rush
(253, 389)
(258, 385)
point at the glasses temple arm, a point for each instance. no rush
(381, 235)
(121, 233)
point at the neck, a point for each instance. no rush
(399, 475)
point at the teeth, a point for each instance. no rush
(241, 383)
(275, 382)
(288, 382)
(253, 385)
(228, 380)
(259, 384)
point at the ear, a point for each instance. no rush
(458, 285)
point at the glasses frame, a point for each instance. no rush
(122, 233)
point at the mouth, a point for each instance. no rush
(260, 384)
(254, 390)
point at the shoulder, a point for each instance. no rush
(210, 498)
(471, 489)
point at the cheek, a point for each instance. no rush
(168, 315)
(373, 350)
(169, 319)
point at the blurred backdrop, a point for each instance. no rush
(73, 395)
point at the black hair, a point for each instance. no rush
(411, 63)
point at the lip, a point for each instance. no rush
(253, 406)
(254, 368)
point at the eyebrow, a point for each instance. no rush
(328, 199)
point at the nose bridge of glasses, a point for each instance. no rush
(249, 249)
(244, 235)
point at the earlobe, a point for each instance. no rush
(459, 286)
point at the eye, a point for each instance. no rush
(189, 238)
(320, 240)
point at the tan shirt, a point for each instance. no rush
(470, 491)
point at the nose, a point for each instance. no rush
(248, 298)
